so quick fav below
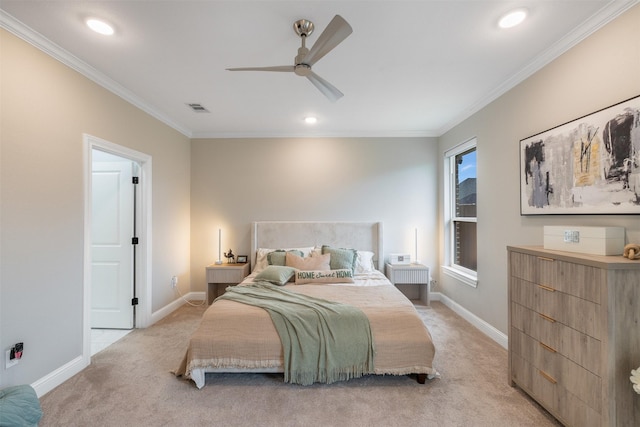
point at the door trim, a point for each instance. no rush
(143, 268)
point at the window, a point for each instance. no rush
(461, 260)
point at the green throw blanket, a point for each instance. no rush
(323, 341)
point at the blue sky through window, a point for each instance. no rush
(468, 167)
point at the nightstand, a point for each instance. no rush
(224, 274)
(410, 274)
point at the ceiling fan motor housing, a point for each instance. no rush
(301, 69)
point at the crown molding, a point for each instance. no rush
(22, 31)
(316, 134)
(598, 20)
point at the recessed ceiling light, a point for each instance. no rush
(513, 18)
(100, 26)
(310, 120)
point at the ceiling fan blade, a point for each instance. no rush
(329, 90)
(283, 68)
(337, 30)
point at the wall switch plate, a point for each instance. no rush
(10, 362)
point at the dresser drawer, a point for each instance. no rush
(578, 280)
(583, 281)
(524, 266)
(576, 346)
(569, 409)
(569, 310)
(556, 368)
(533, 382)
(230, 275)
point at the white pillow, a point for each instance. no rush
(261, 256)
(364, 262)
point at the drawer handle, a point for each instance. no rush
(547, 318)
(548, 377)
(542, 258)
(547, 288)
(546, 347)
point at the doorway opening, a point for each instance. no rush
(117, 242)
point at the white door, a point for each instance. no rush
(112, 229)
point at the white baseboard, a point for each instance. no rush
(493, 333)
(66, 371)
(47, 383)
(174, 305)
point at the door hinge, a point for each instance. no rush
(134, 301)
(134, 240)
(135, 180)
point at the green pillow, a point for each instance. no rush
(276, 274)
(279, 257)
(341, 258)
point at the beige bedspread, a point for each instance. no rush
(235, 336)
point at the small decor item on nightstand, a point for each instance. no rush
(241, 259)
(231, 258)
(401, 259)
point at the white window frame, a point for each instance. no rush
(464, 275)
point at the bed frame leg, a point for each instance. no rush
(422, 378)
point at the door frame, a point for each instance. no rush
(143, 254)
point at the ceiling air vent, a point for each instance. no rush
(198, 108)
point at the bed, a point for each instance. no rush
(236, 337)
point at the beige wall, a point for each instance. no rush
(46, 108)
(238, 181)
(602, 70)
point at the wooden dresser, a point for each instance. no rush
(574, 334)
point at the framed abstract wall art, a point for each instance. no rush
(590, 165)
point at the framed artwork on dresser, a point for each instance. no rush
(590, 165)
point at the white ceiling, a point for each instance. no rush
(410, 68)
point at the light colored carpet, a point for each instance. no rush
(130, 384)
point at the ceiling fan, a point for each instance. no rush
(337, 30)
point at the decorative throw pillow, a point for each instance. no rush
(324, 276)
(278, 257)
(261, 256)
(340, 258)
(276, 274)
(364, 262)
(314, 262)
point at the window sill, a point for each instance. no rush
(464, 277)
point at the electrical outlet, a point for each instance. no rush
(174, 281)
(9, 362)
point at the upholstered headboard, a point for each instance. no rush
(364, 236)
